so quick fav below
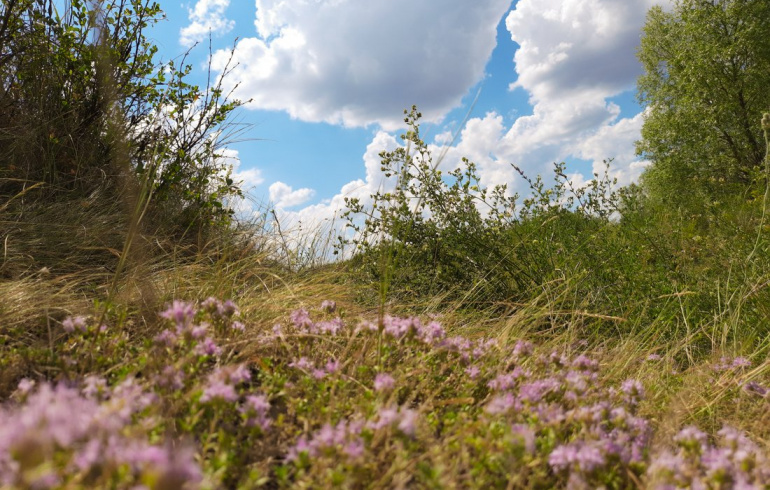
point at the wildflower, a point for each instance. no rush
(218, 389)
(208, 348)
(171, 378)
(239, 374)
(633, 390)
(585, 363)
(387, 415)
(408, 421)
(256, 408)
(522, 348)
(754, 388)
(221, 383)
(25, 386)
(472, 371)
(526, 436)
(166, 338)
(300, 318)
(228, 309)
(332, 366)
(180, 312)
(198, 331)
(328, 306)
(302, 363)
(653, 357)
(95, 387)
(534, 391)
(691, 438)
(740, 362)
(238, 326)
(383, 382)
(578, 455)
(501, 404)
(332, 327)
(354, 449)
(70, 324)
(431, 333)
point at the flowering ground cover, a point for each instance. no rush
(322, 400)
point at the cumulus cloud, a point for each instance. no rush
(357, 63)
(574, 57)
(283, 196)
(207, 17)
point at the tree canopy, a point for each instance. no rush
(705, 85)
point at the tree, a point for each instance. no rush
(86, 110)
(705, 85)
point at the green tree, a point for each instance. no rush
(705, 85)
(86, 110)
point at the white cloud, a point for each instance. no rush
(574, 56)
(283, 196)
(357, 63)
(207, 17)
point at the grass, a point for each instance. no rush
(341, 395)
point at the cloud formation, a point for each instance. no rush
(358, 63)
(207, 17)
(283, 196)
(574, 57)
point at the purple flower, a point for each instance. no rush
(692, 438)
(387, 415)
(70, 324)
(534, 391)
(208, 348)
(577, 455)
(740, 362)
(472, 371)
(431, 333)
(166, 338)
(221, 383)
(239, 374)
(332, 327)
(95, 387)
(633, 390)
(25, 386)
(754, 388)
(384, 382)
(328, 306)
(218, 389)
(653, 357)
(333, 366)
(171, 378)
(526, 436)
(408, 421)
(180, 312)
(198, 331)
(302, 363)
(501, 404)
(354, 449)
(585, 363)
(522, 348)
(300, 318)
(256, 408)
(240, 327)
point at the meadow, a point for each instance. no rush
(593, 337)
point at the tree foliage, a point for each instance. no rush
(87, 110)
(706, 83)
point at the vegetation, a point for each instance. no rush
(575, 337)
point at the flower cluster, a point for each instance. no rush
(733, 462)
(86, 432)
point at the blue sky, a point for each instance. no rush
(329, 80)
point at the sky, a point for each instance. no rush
(524, 82)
